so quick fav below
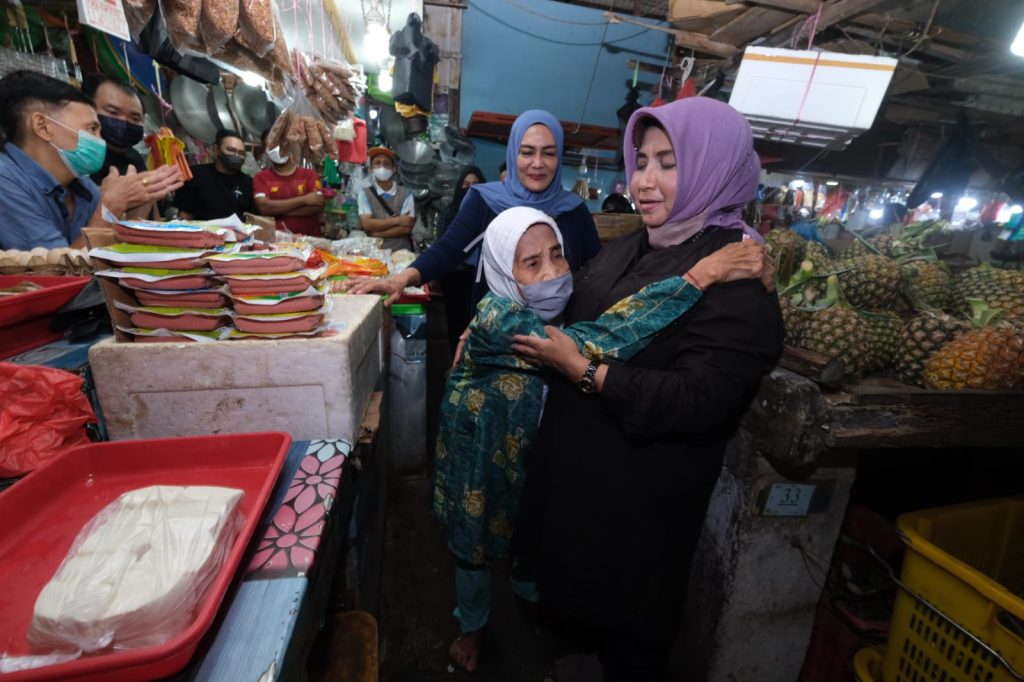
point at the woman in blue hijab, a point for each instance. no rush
(533, 155)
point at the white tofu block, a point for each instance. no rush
(312, 388)
(136, 576)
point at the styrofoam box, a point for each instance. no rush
(311, 388)
(825, 91)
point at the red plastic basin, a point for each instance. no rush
(44, 512)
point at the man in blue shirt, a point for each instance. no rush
(52, 145)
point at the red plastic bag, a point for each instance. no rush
(42, 411)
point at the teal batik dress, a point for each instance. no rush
(492, 405)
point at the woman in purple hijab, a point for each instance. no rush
(628, 454)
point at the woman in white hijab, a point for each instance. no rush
(493, 399)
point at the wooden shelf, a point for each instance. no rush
(495, 127)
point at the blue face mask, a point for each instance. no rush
(548, 298)
(88, 155)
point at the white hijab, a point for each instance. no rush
(499, 251)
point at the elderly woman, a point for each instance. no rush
(627, 454)
(492, 403)
(535, 153)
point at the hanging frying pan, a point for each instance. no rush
(252, 108)
(190, 101)
(220, 112)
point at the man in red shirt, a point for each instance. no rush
(292, 194)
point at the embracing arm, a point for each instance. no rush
(731, 340)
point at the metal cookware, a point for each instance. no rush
(415, 152)
(220, 112)
(190, 101)
(415, 168)
(254, 111)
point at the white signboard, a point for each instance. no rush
(104, 15)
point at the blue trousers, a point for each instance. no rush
(473, 595)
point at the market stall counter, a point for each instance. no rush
(779, 504)
(274, 605)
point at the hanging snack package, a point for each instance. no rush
(138, 570)
(257, 26)
(138, 14)
(167, 150)
(182, 20)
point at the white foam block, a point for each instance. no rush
(312, 388)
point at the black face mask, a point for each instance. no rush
(232, 163)
(120, 133)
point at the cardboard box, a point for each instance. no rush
(312, 388)
(812, 98)
(614, 225)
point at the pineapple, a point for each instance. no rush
(869, 282)
(818, 254)
(786, 248)
(987, 357)
(884, 331)
(856, 249)
(921, 338)
(883, 243)
(1001, 289)
(838, 331)
(793, 319)
(927, 285)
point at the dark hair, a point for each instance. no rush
(224, 133)
(502, 168)
(20, 90)
(263, 138)
(460, 191)
(642, 125)
(92, 85)
(617, 203)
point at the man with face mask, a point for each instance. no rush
(218, 189)
(290, 193)
(52, 145)
(120, 112)
(386, 210)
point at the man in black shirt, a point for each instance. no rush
(120, 112)
(218, 189)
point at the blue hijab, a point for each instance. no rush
(554, 200)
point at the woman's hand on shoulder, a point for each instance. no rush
(740, 260)
(557, 351)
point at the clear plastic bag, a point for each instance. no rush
(138, 570)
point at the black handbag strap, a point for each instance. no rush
(380, 200)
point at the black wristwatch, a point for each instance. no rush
(587, 384)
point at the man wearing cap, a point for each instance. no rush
(386, 210)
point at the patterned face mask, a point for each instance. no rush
(548, 298)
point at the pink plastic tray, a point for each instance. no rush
(44, 512)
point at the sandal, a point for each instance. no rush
(465, 651)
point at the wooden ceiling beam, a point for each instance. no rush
(801, 6)
(753, 23)
(951, 54)
(888, 23)
(704, 43)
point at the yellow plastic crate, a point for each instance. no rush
(968, 562)
(867, 665)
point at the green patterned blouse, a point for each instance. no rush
(493, 400)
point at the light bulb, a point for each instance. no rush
(384, 80)
(377, 41)
(796, 184)
(967, 203)
(936, 195)
(875, 214)
(373, 114)
(1018, 43)
(832, 183)
(1015, 209)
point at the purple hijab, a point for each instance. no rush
(718, 169)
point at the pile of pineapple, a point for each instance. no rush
(888, 305)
